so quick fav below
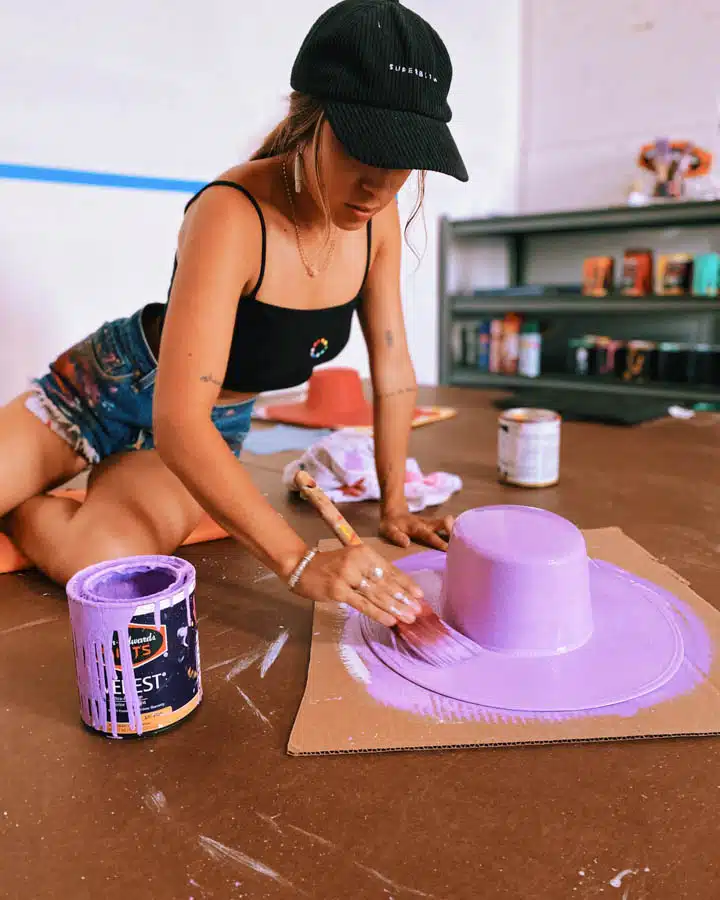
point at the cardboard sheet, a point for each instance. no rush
(339, 715)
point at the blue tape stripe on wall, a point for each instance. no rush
(98, 179)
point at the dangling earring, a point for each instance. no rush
(298, 172)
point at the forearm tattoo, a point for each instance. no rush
(209, 379)
(395, 393)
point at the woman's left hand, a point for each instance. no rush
(402, 528)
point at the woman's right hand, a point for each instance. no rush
(361, 578)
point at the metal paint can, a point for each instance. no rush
(137, 654)
(529, 447)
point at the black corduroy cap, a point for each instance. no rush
(383, 76)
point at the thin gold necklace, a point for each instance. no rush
(312, 270)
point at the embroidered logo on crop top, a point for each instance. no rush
(319, 348)
(411, 70)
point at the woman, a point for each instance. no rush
(276, 254)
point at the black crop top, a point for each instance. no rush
(275, 347)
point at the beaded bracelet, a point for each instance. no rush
(300, 568)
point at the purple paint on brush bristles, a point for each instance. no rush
(103, 599)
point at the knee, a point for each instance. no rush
(63, 539)
(80, 551)
(72, 555)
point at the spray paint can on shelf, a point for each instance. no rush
(510, 344)
(457, 344)
(469, 344)
(496, 341)
(483, 346)
(530, 350)
(529, 447)
(137, 656)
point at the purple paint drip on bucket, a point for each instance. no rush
(137, 654)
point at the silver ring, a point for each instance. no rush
(377, 573)
(363, 586)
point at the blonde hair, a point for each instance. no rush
(302, 126)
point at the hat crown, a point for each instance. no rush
(375, 53)
(336, 391)
(517, 581)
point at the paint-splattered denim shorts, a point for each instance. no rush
(98, 395)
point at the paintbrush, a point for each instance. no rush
(428, 639)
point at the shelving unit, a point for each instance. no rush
(465, 377)
(516, 232)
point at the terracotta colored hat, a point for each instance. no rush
(553, 630)
(335, 399)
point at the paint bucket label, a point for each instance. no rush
(137, 653)
(529, 447)
(166, 667)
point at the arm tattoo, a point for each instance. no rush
(211, 380)
(395, 393)
(389, 339)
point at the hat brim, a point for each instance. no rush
(302, 414)
(636, 648)
(389, 139)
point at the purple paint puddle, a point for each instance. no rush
(393, 690)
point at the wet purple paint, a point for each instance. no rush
(554, 631)
(518, 581)
(393, 690)
(103, 600)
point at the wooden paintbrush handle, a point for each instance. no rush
(327, 509)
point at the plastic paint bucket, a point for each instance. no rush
(135, 639)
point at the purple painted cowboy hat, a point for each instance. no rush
(551, 630)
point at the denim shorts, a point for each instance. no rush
(98, 395)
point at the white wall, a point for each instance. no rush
(483, 37)
(600, 79)
(182, 91)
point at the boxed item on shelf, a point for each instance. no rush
(637, 273)
(673, 362)
(607, 356)
(674, 274)
(598, 276)
(639, 360)
(705, 367)
(706, 275)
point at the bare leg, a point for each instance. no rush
(32, 457)
(134, 505)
